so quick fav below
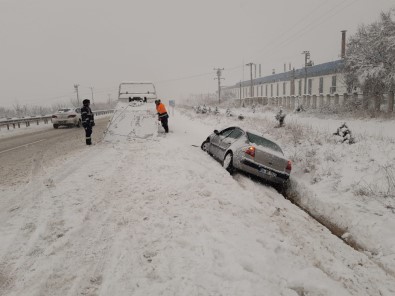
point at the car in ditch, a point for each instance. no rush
(250, 152)
(70, 116)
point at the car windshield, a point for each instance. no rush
(64, 110)
(260, 141)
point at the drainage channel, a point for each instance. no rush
(290, 193)
(293, 196)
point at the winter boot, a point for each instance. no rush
(89, 141)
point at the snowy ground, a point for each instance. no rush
(349, 186)
(146, 213)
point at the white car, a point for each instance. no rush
(67, 117)
(250, 152)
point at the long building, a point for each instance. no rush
(322, 79)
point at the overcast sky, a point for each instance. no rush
(47, 46)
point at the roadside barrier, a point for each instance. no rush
(18, 122)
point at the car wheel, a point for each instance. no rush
(205, 145)
(78, 123)
(55, 126)
(228, 162)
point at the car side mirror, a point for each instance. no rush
(216, 132)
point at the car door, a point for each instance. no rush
(227, 142)
(216, 140)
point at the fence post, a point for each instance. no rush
(308, 103)
(328, 100)
(365, 101)
(314, 102)
(321, 100)
(336, 100)
(345, 99)
(377, 101)
(390, 107)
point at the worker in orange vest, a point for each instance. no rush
(162, 115)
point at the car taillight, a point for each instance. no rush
(251, 151)
(54, 116)
(289, 166)
(71, 116)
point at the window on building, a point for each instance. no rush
(271, 90)
(310, 86)
(261, 90)
(277, 90)
(321, 87)
(284, 87)
(266, 90)
(333, 87)
(300, 87)
(292, 85)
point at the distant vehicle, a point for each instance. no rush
(67, 117)
(137, 92)
(250, 152)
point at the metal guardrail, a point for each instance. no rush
(18, 122)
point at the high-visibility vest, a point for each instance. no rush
(161, 109)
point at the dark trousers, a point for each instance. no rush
(164, 122)
(88, 133)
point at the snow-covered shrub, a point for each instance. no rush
(344, 134)
(296, 132)
(382, 186)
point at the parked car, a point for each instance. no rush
(250, 152)
(67, 117)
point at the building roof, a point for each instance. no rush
(313, 71)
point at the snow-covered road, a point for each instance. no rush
(157, 216)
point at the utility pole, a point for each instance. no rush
(92, 94)
(240, 93)
(219, 73)
(76, 90)
(307, 63)
(251, 86)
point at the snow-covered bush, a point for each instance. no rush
(383, 186)
(344, 134)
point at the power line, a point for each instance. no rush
(313, 25)
(284, 33)
(183, 78)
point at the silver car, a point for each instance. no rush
(250, 152)
(67, 117)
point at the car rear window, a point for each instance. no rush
(260, 141)
(64, 110)
(236, 134)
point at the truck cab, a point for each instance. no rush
(137, 92)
